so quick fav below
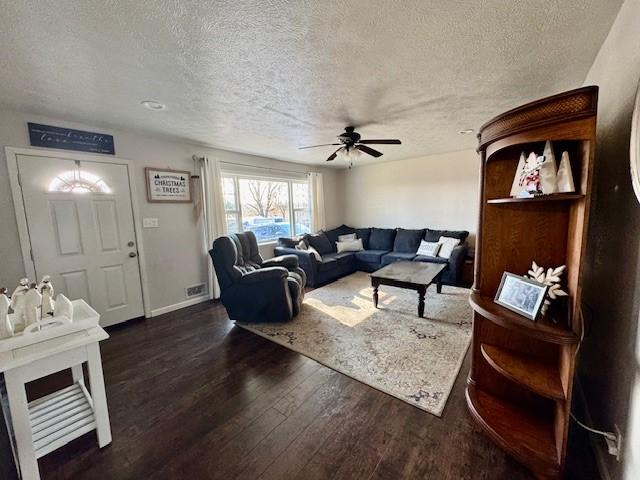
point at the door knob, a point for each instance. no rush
(133, 254)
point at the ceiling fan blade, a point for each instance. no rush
(370, 151)
(333, 155)
(323, 145)
(381, 142)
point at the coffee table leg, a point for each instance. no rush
(421, 293)
(439, 286)
(375, 286)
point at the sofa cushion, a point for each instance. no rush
(372, 256)
(434, 235)
(328, 262)
(407, 241)
(397, 257)
(382, 238)
(425, 258)
(364, 234)
(334, 233)
(341, 258)
(321, 243)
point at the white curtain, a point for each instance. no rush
(317, 201)
(215, 223)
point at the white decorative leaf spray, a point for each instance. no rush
(551, 278)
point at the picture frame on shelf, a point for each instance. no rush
(521, 295)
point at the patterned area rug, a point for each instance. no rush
(390, 348)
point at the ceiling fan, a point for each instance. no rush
(351, 145)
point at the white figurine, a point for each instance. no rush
(17, 301)
(565, 175)
(64, 307)
(530, 176)
(46, 289)
(515, 186)
(548, 170)
(6, 329)
(32, 300)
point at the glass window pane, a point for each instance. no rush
(300, 195)
(265, 208)
(232, 223)
(302, 221)
(229, 192)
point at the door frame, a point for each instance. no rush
(11, 154)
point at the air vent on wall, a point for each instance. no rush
(196, 290)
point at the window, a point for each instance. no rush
(78, 181)
(269, 208)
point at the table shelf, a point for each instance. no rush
(60, 417)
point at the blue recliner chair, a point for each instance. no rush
(253, 289)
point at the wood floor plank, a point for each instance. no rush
(302, 450)
(192, 396)
(288, 431)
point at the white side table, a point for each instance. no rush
(43, 425)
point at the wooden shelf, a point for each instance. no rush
(554, 197)
(541, 329)
(529, 438)
(532, 373)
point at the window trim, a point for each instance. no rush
(237, 176)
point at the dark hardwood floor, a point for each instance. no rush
(191, 396)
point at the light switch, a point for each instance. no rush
(150, 223)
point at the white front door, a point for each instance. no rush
(81, 229)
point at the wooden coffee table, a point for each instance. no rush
(411, 275)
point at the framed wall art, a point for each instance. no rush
(168, 186)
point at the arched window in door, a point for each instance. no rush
(78, 181)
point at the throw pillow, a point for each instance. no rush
(321, 243)
(334, 233)
(310, 249)
(350, 246)
(429, 249)
(347, 237)
(448, 244)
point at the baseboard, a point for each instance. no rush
(178, 306)
(595, 441)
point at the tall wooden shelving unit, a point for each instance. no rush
(520, 384)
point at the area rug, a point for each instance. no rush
(390, 348)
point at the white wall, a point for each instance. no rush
(174, 255)
(437, 191)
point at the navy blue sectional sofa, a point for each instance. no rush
(382, 246)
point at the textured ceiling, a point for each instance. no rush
(265, 77)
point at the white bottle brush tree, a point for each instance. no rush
(550, 278)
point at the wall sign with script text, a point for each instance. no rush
(168, 185)
(70, 139)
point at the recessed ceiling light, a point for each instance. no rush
(466, 131)
(153, 105)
